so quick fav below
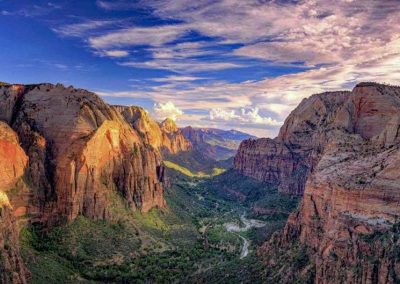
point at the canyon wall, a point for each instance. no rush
(287, 160)
(13, 161)
(164, 136)
(64, 153)
(348, 219)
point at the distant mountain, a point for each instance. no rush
(215, 143)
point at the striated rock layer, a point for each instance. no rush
(165, 137)
(348, 219)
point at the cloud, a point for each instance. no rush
(313, 32)
(60, 66)
(171, 79)
(151, 36)
(116, 53)
(250, 116)
(81, 29)
(337, 46)
(222, 114)
(32, 10)
(185, 50)
(167, 110)
(116, 5)
(187, 66)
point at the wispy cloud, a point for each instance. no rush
(116, 53)
(32, 10)
(171, 79)
(151, 36)
(81, 29)
(116, 5)
(338, 45)
(179, 66)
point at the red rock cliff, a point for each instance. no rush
(79, 150)
(164, 136)
(12, 164)
(348, 219)
(287, 160)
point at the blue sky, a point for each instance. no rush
(241, 64)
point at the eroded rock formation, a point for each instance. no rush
(164, 136)
(287, 160)
(64, 153)
(79, 149)
(348, 219)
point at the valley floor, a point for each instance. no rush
(208, 233)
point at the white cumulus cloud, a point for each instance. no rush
(243, 116)
(167, 110)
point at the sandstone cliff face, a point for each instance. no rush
(12, 164)
(174, 141)
(287, 160)
(13, 159)
(164, 136)
(63, 152)
(348, 219)
(79, 149)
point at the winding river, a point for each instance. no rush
(247, 225)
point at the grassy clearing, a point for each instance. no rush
(189, 173)
(183, 170)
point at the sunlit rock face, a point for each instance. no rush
(287, 160)
(13, 161)
(63, 152)
(174, 141)
(12, 157)
(79, 149)
(164, 136)
(350, 211)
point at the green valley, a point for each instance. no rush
(187, 240)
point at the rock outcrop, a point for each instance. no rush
(287, 160)
(164, 136)
(64, 153)
(348, 219)
(173, 139)
(79, 149)
(13, 161)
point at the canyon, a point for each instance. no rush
(342, 150)
(70, 159)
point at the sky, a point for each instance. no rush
(230, 64)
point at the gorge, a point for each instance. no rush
(98, 193)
